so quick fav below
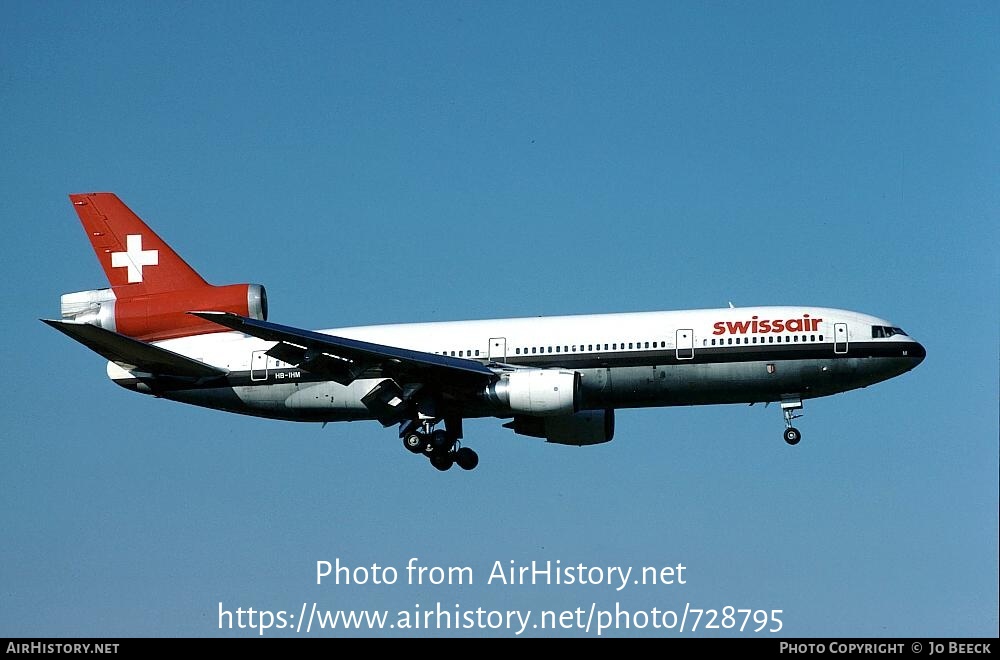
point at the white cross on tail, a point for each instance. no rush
(134, 258)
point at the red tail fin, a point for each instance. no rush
(131, 253)
(153, 288)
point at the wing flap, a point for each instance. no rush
(132, 354)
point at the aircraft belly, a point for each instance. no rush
(314, 396)
(265, 398)
(322, 401)
(600, 388)
(853, 373)
(328, 395)
(222, 398)
(708, 383)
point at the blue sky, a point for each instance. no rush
(390, 162)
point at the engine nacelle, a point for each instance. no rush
(164, 315)
(537, 391)
(587, 427)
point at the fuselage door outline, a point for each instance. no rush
(258, 366)
(840, 338)
(685, 344)
(498, 349)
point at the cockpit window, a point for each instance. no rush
(883, 331)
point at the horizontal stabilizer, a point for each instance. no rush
(132, 354)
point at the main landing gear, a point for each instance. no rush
(442, 446)
(788, 407)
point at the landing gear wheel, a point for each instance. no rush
(792, 435)
(466, 458)
(442, 461)
(414, 442)
(439, 441)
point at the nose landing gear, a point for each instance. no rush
(788, 407)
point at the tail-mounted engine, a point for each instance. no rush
(152, 317)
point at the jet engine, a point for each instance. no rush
(587, 427)
(152, 317)
(536, 391)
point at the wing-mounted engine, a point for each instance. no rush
(587, 427)
(164, 315)
(536, 392)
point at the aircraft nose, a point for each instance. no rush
(916, 351)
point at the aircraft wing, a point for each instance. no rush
(132, 354)
(344, 360)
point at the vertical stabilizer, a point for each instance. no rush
(134, 258)
(152, 288)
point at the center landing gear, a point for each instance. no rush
(788, 407)
(441, 446)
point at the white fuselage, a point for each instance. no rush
(734, 355)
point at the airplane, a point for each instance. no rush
(168, 333)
